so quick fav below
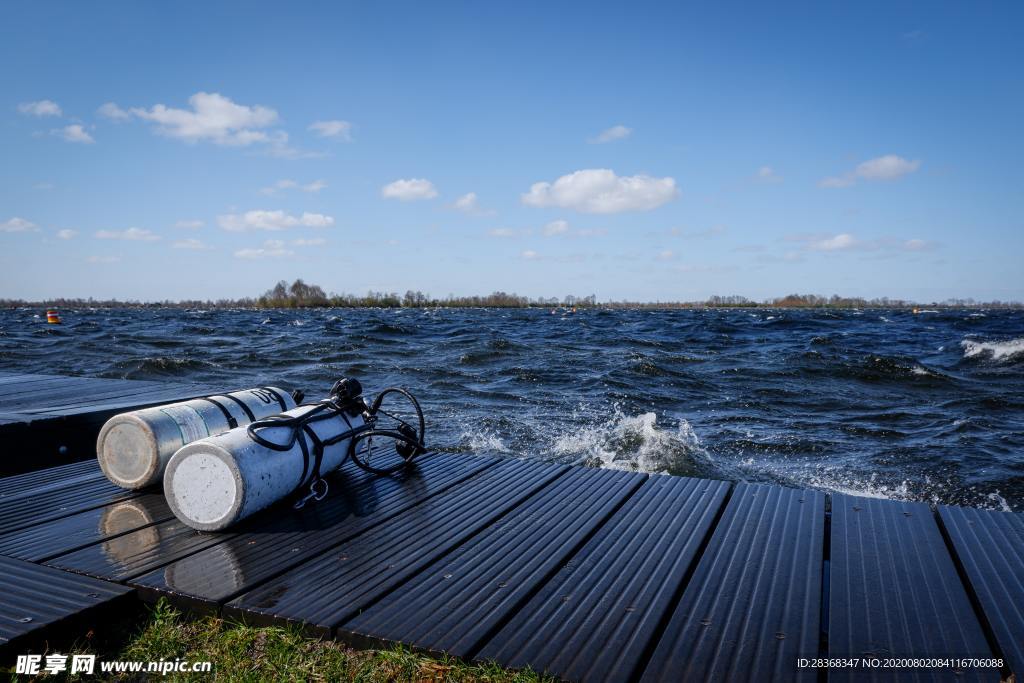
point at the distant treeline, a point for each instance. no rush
(300, 294)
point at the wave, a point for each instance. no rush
(636, 443)
(156, 367)
(999, 351)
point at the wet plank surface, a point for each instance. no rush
(990, 547)
(588, 574)
(35, 598)
(753, 605)
(50, 420)
(895, 592)
(38, 396)
(594, 619)
(456, 606)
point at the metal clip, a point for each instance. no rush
(317, 492)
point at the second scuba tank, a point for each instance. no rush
(134, 448)
(212, 483)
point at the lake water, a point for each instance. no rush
(876, 402)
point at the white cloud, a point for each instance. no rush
(836, 181)
(74, 133)
(706, 233)
(918, 245)
(287, 184)
(309, 242)
(272, 220)
(103, 259)
(466, 202)
(530, 255)
(558, 227)
(888, 167)
(469, 204)
(18, 225)
(599, 190)
(340, 130)
(767, 174)
(409, 190)
(847, 242)
(666, 255)
(193, 224)
(40, 108)
(130, 234)
(214, 118)
(611, 134)
(270, 249)
(66, 234)
(111, 111)
(502, 232)
(284, 184)
(191, 243)
(835, 243)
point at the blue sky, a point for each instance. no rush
(628, 150)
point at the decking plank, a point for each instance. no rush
(594, 620)
(20, 483)
(753, 604)
(895, 592)
(44, 506)
(132, 396)
(990, 547)
(36, 598)
(456, 605)
(99, 525)
(208, 578)
(338, 584)
(146, 549)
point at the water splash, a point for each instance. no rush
(635, 442)
(997, 350)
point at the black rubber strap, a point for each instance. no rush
(245, 408)
(318, 454)
(232, 422)
(305, 458)
(280, 400)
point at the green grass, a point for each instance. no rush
(246, 653)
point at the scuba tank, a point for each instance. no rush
(217, 481)
(134, 448)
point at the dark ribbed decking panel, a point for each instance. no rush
(361, 502)
(460, 602)
(33, 598)
(895, 592)
(594, 619)
(48, 420)
(990, 547)
(99, 525)
(351, 577)
(753, 604)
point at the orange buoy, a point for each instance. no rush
(52, 317)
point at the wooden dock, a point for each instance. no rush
(586, 574)
(48, 420)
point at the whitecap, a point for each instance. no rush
(634, 442)
(995, 350)
(484, 442)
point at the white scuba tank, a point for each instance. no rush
(134, 448)
(217, 481)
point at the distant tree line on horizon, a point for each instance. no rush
(300, 294)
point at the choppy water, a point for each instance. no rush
(886, 403)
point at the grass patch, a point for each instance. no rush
(247, 653)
